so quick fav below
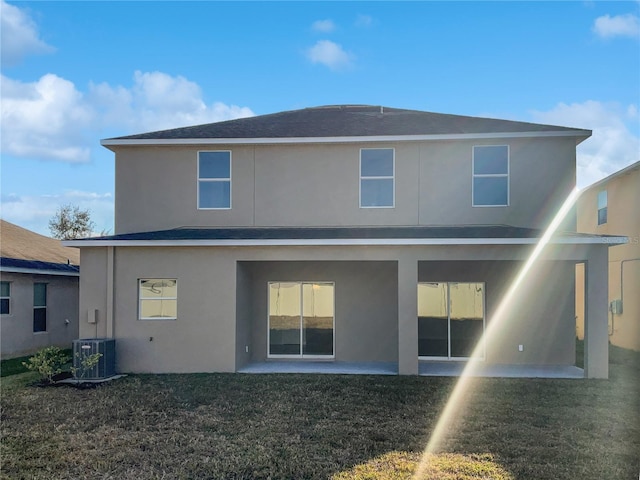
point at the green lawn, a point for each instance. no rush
(232, 426)
(13, 366)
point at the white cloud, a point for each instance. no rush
(158, 101)
(51, 119)
(41, 119)
(18, 35)
(626, 25)
(34, 211)
(163, 101)
(611, 147)
(324, 26)
(330, 54)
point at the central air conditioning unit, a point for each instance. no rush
(86, 347)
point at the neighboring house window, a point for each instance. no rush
(491, 176)
(214, 180)
(301, 319)
(158, 299)
(377, 177)
(5, 297)
(602, 207)
(39, 307)
(450, 319)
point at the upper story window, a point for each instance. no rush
(214, 180)
(158, 299)
(602, 207)
(5, 298)
(377, 185)
(491, 176)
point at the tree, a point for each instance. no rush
(70, 222)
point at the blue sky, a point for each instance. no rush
(77, 72)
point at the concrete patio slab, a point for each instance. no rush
(454, 369)
(427, 369)
(74, 381)
(347, 368)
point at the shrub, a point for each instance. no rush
(48, 362)
(87, 362)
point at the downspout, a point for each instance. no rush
(622, 262)
(613, 322)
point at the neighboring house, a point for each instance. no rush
(612, 205)
(38, 292)
(341, 234)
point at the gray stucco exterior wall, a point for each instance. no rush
(541, 317)
(366, 326)
(17, 336)
(318, 185)
(222, 294)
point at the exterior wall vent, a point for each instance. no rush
(106, 366)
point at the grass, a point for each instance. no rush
(13, 366)
(231, 426)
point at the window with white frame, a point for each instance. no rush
(158, 299)
(602, 207)
(377, 184)
(490, 176)
(5, 298)
(214, 180)
(39, 307)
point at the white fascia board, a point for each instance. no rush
(372, 138)
(610, 241)
(35, 271)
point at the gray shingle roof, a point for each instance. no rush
(349, 121)
(346, 233)
(9, 263)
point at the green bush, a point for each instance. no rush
(48, 362)
(87, 362)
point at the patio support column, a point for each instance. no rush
(407, 316)
(110, 294)
(596, 329)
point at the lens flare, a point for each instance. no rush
(456, 399)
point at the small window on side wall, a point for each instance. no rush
(491, 176)
(5, 298)
(602, 207)
(39, 307)
(377, 185)
(158, 299)
(214, 180)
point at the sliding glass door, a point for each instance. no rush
(301, 319)
(450, 319)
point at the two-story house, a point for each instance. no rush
(344, 234)
(611, 206)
